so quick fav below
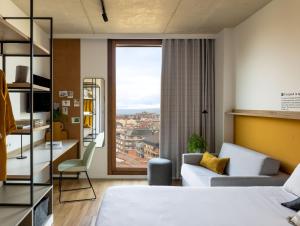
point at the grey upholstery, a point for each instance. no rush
(246, 162)
(159, 171)
(198, 176)
(245, 168)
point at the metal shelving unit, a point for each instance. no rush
(95, 124)
(15, 43)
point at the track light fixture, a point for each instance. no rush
(104, 16)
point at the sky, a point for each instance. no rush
(138, 74)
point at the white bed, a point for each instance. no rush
(188, 206)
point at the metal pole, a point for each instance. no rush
(51, 91)
(31, 101)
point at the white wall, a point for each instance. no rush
(94, 64)
(40, 67)
(267, 53)
(225, 88)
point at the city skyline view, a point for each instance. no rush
(138, 75)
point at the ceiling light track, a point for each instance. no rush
(104, 15)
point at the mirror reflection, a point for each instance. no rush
(93, 111)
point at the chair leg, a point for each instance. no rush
(74, 189)
(87, 176)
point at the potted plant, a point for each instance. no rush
(196, 144)
(58, 125)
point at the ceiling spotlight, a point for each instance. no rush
(104, 16)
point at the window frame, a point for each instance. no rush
(111, 81)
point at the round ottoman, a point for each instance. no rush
(159, 171)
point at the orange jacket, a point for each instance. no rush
(7, 124)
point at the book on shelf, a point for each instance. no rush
(25, 123)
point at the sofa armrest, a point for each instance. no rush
(241, 181)
(192, 158)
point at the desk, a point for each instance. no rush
(20, 168)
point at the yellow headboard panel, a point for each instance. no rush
(278, 138)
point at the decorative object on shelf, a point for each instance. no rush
(21, 74)
(7, 124)
(196, 144)
(58, 127)
(58, 132)
(25, 123)
(58, 116)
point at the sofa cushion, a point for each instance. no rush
(197, 175)
(246, 162)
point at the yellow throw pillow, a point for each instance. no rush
(213, 163)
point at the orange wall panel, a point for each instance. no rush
(278, 138)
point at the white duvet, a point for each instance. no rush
(188, 206)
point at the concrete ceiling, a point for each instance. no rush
(144, 16)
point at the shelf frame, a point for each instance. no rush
(31, 89)
(293, 115)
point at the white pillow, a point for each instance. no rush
(292, 185)
(296, 219)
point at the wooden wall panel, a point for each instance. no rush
(66, 73)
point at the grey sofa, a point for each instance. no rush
(245, 168)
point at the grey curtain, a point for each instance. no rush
(187, 90)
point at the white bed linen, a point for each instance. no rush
(191, 206)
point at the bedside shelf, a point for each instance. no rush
(25, 87)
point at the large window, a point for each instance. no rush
(134, 104)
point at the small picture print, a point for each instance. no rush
(63, 93)
(70, 94)
(56, 106)
(76, 103)
(65, 110)
(66, 103)
(75, 120)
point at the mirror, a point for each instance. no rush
(93, 111)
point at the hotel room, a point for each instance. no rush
(149, 113)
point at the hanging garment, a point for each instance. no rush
(88, 107)
(7, 124)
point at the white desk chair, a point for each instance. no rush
(77, 166)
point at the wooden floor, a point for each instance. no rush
(83, 213)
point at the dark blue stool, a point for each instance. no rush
(159, 171)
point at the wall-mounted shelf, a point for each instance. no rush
(27, 131)
(8, 33)
(16, 194)
(266, 114)
(25, 87)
